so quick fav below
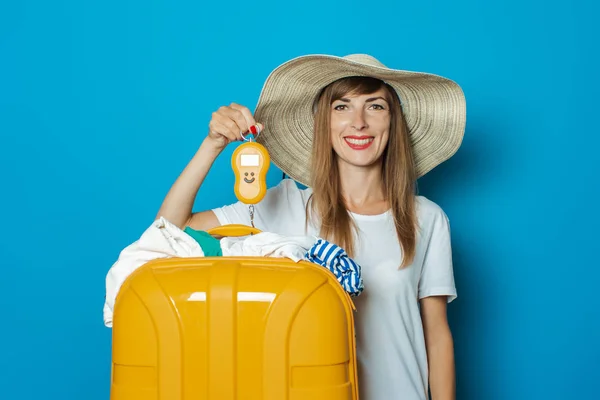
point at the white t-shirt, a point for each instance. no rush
(391, 353)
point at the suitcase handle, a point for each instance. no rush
(233, 230)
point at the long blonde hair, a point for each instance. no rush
(398, 172)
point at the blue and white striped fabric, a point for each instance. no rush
(334, 258)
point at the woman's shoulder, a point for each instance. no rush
(290, 188)
(283, 209)
(287, 192)
(428, 210)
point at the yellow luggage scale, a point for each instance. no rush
(250, 163)
(233, 328)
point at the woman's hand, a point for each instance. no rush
(228, 124)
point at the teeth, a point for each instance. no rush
(359, 141)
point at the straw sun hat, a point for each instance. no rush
(434, 108)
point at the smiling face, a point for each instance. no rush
(360, 127)
(249, 177)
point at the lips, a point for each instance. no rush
(359, 142)
(249, 180)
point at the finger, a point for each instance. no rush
(226, 132)
(232, 120)
(246, 113)
(257, 128)
(237, 116)
(223, 125)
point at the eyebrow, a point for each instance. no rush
(370, 99)
(375, 98)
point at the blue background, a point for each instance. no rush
(102, 104)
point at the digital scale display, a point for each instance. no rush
(249, 160)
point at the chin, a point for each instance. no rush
(367, 163)
(362, 161)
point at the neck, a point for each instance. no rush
(362, 188)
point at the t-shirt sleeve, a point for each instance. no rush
(437, 274)
(280, 211)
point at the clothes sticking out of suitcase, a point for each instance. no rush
(187, 325)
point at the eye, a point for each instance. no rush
(252, 173)
(339, 107)
(246, 174)
(378, 107)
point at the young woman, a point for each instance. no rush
(358, 135)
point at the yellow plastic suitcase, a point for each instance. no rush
(225, 328)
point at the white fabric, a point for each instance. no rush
(391, 349)
(268, 244)
(162, 239)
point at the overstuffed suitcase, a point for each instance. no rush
(224, 328)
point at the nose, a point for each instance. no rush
(358, 121)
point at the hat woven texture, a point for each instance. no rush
(434, 108)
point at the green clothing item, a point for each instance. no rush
(210, 246)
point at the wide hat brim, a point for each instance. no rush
(434, 108)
